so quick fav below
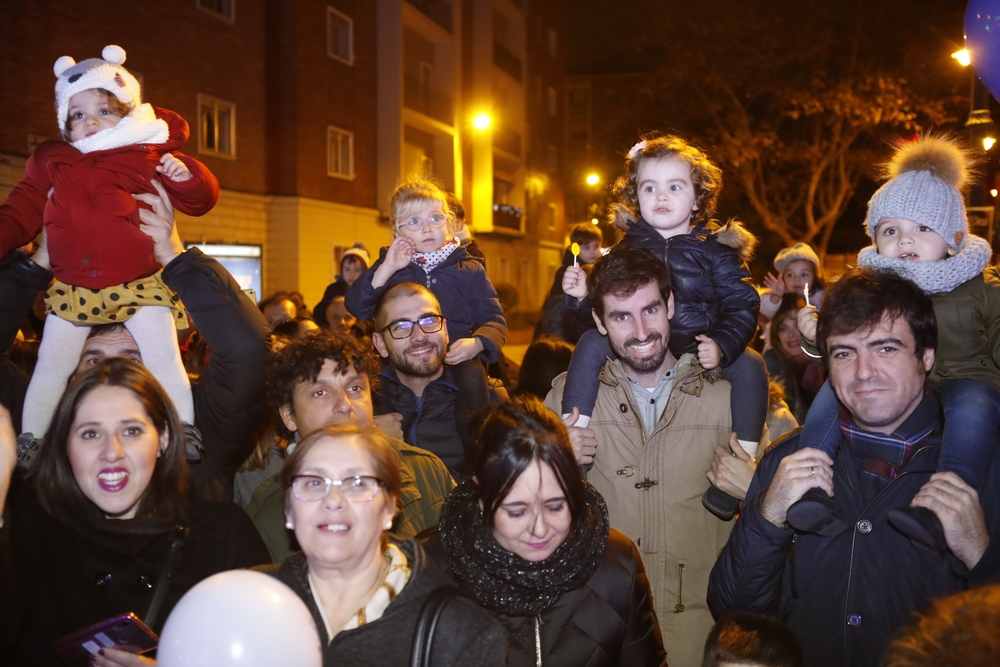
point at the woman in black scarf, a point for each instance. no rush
(529, 539)
(104, 524)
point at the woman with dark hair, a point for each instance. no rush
(788, 363)
(529, 539)
(103, 524)
(365, 588)
(544, 359)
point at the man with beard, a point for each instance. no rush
(651, 442)
(419, 391)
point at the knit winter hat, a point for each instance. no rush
(358, 250)
(926, 177)
(798, 251)
(107, 74)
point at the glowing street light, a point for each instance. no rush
(595, 221)
(988, 143)
(993, 192)
(593, 179)
(963, 57)
(481, 122)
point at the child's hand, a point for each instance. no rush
(463, 349)
(396, 257)
(709, 352)
(806, 320)
(574, 282)
(777, 287)
(173, 169)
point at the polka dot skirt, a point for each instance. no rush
(88, 307)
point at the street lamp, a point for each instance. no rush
(988, 143)
(962, 57)
(593, 179)
(481, 121)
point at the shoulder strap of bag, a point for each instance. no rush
(177, 537)
(423, 635)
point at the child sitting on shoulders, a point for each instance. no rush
(425, 251)
(80, 192)
(797, 266)
(918, 226)
(674, 188)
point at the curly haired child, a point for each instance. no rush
(674, 188)
(80, 191)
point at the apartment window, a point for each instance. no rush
(553, 99)
(340, 153)
(553, 43)
(552, 158)
(223, 9)
(339, 36)
(426, 87)
(552, 216)
(216, 127)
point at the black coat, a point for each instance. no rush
(844, 596)
(609, 621)
(713, 291)
(466, 634)
(67, 578)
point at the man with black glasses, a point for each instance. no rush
(419, 390)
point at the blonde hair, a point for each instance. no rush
(705, 176)
(414, 192)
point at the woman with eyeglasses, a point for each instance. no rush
(364, 587)
(425, 251)
(104, 524)
(529, 539)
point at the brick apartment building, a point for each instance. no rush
(309, 111)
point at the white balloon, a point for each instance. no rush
(243, 619)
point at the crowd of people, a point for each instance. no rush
(687, 469)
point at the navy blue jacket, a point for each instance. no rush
(468, 300)
(713, 291)
(844, 596)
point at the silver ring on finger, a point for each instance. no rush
(812, 470)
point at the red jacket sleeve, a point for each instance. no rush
(21, 213)
(199, 194)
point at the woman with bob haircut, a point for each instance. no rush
(364, 587)
(529, 539)
(104, 519)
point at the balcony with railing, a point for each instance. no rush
(420, 97)
(438, 11)
(507, 217)
(506, 61)
(507, 140)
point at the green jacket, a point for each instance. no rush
(426, 484)
(969, 330)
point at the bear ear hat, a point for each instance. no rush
(63, 64)
(114, 54)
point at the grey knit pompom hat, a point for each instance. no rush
(926, 178)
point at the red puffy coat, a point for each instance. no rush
(91, 218)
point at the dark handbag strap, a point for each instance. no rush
(177, 537)
(423, 635)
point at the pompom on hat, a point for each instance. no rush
(926, 178)
(799, 251)
(107, 73)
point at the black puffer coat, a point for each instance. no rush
(713, 291)
(609, 621)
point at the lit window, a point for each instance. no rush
(216, 127)
(223, 9)
(339, 153)
(339, 36)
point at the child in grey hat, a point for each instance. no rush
(918, 226)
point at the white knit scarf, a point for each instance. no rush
(935, 277)
(141, 126)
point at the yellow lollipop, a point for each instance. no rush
(575, 249)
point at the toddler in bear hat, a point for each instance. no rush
(79, 193)
(918, 225)
(797, 267)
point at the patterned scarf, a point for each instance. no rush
(428, 260)
(888, 453)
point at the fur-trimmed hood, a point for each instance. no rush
(732, 233)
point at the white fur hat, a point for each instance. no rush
(107, 74)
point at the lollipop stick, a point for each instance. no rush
(805, 291)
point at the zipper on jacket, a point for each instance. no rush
(538, 640)
(791, 565)
(679, 607)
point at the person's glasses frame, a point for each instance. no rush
(415, 224)
(354, 489)
(402, 329)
